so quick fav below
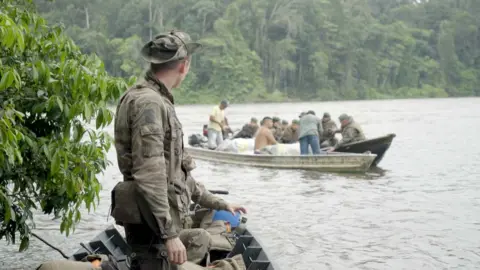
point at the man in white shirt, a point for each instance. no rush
(216, 125)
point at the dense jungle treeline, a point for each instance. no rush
(273, 50)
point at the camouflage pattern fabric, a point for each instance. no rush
(328, 136)
(150, 152)
(234, 263)
(248, 131)
(64, 265)
(167, 47)
(351, 132)
(290, 135)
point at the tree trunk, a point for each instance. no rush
(87, 18)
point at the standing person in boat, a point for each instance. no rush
(310, 130)
(216, 125)
(329, 130)
(248, 130)
(351, 131)
(153, 201)
(290, 135)
(264, 136)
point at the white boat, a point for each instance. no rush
(328, 162)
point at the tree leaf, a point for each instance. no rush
(24, 243)
(55, 165)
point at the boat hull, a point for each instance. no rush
(377, 146)
(111, 242)
(330, 162)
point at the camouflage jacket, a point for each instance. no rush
(329, 128)
(277, 133)
(149, 144)
(247, 132)
(290, 135)
(352, 132)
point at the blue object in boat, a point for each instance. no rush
(227, 216)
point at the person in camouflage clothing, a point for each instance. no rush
(152, 202)
(277, 128)
(329, 130)
(248, 130)
(290, 135)
(351, 131)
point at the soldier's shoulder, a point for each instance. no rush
(141, 95)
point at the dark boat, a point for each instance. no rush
(376, 146)
(110, 242)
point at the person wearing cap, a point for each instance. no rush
(264, 136)
(329, 130)
(310, 130)
(351, 131)
(153, 201)
(290, 135)
(285, 125)
(217, 125)
(248, 130)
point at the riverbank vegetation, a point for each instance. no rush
(49, 157)
(273, 50)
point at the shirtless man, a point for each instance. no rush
(264, 136)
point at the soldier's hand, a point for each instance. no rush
(232, 208)
(177, 254)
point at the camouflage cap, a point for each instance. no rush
(169, 47)
(295, 121)
(326, 115)
(276, 119)
(284, 122)
(343, 116)
(254, 120)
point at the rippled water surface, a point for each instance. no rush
(422, 211)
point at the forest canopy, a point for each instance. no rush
(278, 50)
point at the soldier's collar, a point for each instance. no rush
(159, 86)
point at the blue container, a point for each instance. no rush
(234, 220)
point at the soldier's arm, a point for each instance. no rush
(203, 197)
(149, 169)
(348, 135)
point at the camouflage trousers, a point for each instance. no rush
(151, 253)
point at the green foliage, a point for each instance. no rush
(49, 92)
(270, 50)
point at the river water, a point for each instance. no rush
(421, 211)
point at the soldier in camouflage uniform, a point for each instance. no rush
(351, 131)
(248, 130)
(329, 131)
(277, 128)
(152, 203)
(290, 135)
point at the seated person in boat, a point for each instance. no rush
(285, 125)
(248, 130)
(264, 136)
(329, 130)
(290, 135)
(351, 131)
(277, 128)
(216, 125)
(310, 130)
